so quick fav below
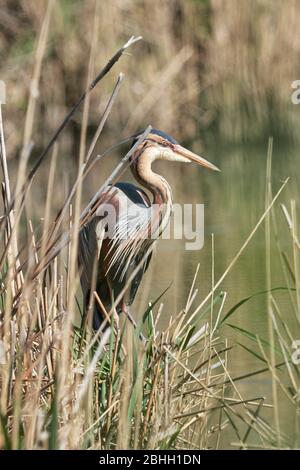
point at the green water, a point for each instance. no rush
(234, 201)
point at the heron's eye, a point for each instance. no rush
(169, 144)
(161, 144)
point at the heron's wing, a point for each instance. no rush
(124, 210)
(92, 234)
(130, 237)
(90, 243)
(130, 296)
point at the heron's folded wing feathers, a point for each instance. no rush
(90, 243)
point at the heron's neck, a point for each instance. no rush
(156, 184)
(160, 189)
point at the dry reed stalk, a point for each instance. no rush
(268, 199)
(21, 194)
(72, 262)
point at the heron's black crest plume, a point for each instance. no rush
(155, 132)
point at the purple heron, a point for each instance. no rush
(115, 245)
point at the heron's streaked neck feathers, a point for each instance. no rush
(156, 184)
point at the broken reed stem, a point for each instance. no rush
(82, 169)
(65, 121)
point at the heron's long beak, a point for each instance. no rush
(193, 157)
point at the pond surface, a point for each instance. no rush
(234, 200)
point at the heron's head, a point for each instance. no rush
(160, 146)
